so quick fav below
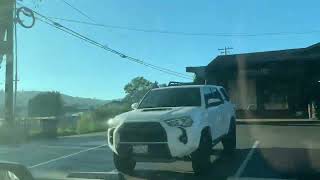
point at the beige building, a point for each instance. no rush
(269, 84)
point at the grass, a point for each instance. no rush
(11, 134)
(86, 124)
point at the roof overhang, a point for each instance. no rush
(200, 71)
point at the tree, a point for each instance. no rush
(111, 109)
(136, 89)
(198, 80)
(46, 104)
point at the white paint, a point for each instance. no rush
(246, 160)
(113, 171)
(63, 147)
(66, 156)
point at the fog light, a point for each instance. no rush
(183, 137)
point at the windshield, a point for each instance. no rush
(172, 97)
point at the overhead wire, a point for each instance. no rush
(122, 55)
(181, 33)
(78, 10)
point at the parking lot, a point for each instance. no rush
(290, 151)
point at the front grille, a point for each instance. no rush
(142, 132)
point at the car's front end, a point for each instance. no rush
(155, 136)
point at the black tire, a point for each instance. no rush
(201, 157)
(124, 164)
(229, 142)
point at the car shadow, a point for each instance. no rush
(222, 167)
(287, 163)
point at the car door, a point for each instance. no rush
(214, 114)
(226, 109)
(220, 124)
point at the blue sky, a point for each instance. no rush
(52, 60)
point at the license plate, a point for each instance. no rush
(140, 149)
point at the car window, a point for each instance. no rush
(211, 93)
(207, 94)
(216, 94)
(225, 94)
(172, 97)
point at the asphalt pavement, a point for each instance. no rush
(290, 151)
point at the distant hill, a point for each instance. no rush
(23, 98)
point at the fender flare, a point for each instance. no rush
(232, 120)
(205, 129)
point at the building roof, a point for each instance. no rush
(260, 58)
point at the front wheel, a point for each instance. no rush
(124, 164)
(230, 140)
(201, 157)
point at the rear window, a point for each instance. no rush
(172, 97)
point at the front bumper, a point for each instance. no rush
(163, 141)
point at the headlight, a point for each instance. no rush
(179, 122)
(112, 123)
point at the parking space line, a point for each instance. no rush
(66, 156)
(63, 147)
(246, 160)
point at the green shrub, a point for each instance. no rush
(110, 110)
(66, 131)
(85, 124)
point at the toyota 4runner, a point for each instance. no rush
(172, 123)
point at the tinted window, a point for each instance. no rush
(207, 94)
(211, 93)
(172, 97)
(216, 94)
(225, 94)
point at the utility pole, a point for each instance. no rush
(224, 50)
(7, 48)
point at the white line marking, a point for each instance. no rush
(246, 160)
(66, 156)
(65, 147)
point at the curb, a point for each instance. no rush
(279, 122)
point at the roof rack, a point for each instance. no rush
(174, 83)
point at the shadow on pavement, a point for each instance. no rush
(286, 163)
(222, 167)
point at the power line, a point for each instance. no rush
(78, 10)
(187, 33)
(122, 55)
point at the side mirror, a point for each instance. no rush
(14, 171)
(134, 106)
(214, 102)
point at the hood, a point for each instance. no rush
(155, 114)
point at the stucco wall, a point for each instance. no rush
(243, 93)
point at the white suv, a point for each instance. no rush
(172, 123)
